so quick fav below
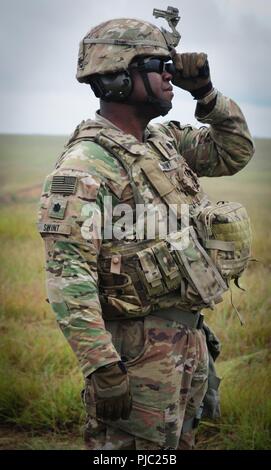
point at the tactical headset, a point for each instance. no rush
(112, 86)
(119, 86)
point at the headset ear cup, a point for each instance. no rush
(128, 86)
(112, 87)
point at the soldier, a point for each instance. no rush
(130, 305)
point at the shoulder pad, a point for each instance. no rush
(84, 130)
(166, 126)
(164, 130)
(155, 129)
(89, 157)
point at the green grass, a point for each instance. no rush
(40, 381)
(24, 160)
(246, 410)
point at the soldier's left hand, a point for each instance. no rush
(112, 392)
(188, 67)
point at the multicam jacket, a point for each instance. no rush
(91, 277)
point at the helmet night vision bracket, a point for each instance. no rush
(173, 18)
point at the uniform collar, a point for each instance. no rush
(106, 123)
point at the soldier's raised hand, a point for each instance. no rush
(192, 73)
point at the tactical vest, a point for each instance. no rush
(137, 277)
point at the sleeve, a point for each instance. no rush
(70, 222)
(223, 148)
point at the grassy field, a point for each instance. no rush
(40, 381)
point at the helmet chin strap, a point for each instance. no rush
(162, 106)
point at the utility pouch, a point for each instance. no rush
(196, 266)
(226, 234)
(168, 266)
(151, 276)
(119, 297)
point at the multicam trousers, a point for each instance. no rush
(168, 369)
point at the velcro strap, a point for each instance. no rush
(124, 42)
(219, 245)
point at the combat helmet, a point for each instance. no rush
(111, 46)
(107, 50)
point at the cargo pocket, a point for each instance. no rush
(145, 422)
(160, 426)
(197, 267)
(129, 338)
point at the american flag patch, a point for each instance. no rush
(64, 184)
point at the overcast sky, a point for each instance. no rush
(39, 45)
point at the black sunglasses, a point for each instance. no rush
(153, 64)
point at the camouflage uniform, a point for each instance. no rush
(99, 289)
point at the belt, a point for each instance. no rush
(190, 319)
